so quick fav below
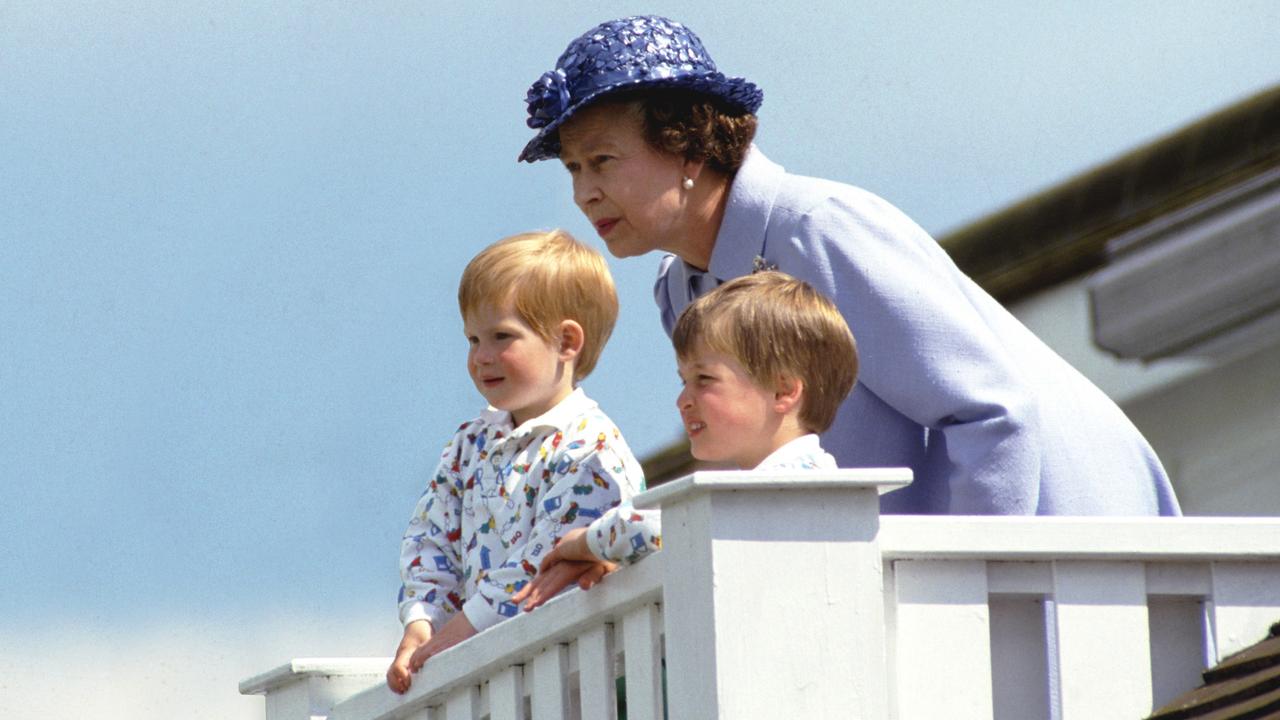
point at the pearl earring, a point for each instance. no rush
(688, 183)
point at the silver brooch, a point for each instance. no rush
(762, 265)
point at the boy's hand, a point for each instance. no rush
(551, 580)
(568, 562)
(453, 632)
(416, 634)
(571, 547)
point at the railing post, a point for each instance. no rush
(306, 689)
(773, 594)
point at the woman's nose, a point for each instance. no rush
(585, 190)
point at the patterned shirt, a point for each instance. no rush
(625, 534)
(500, 499)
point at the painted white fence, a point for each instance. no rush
(789, 596)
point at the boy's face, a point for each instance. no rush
(512, 366)
(729, 418)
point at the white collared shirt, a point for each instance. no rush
(803, 453)
(625, 534)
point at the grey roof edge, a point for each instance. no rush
(1062, 232)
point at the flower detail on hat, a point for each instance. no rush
(547, 98)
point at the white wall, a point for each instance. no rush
(1216, 427)
(1219, 435)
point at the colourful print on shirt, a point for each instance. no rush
(500, 497)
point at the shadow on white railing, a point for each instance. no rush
(772, 602)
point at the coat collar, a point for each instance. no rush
(746, 216)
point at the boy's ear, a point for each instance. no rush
(571, 339)
(787, 396)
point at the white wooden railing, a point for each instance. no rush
(789, 596)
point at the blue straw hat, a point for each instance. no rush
(640, 51)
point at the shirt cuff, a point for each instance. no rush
(414, 611)
(596, 532)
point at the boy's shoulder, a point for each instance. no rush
(584, 429)
(582, 418)
(589, 447)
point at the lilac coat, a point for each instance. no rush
(951, 384)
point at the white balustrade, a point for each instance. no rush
(1090, 618)
(307, 688)
(788, 596)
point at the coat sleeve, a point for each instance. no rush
(925, 344)
(585, 478)
(430, 561)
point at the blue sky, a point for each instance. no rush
(230, 236)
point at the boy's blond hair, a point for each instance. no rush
(548, 277)
(777, 327)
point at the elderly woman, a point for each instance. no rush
(658, 144)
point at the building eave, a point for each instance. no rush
(1062, 232)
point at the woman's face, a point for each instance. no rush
(630, 192)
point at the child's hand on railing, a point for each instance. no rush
(399, 677)
(459, 628)
(568, 562)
